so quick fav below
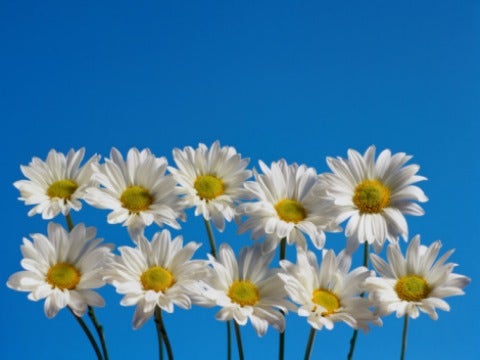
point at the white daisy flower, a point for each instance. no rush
(286, 206)
(137, 190)
(211, 180)
(246, 289)
(374, 195)
(56, 185)
(62, 268)
(157, 273)
(328, 293)
(414, 283)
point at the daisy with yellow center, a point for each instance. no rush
(63, 268)
(286, 206)
(58, 184)
(157, 274)
(210, 180)
(246, 289)
(374, 195)
(137, 190)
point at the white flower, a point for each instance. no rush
(328, 293)
(414, 283)
(211, 180)
(286, 206)
(374, 195)
(246, 289)
(57, 184)
(157, 273)
(136, 189)
(62, 268)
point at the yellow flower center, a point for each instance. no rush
(371, 196)
(157, 279)
(290, 210)
(62, 189)
(136, 198)
(412, 288)
(63, 276)
(327, 300)
(209, 187)
(243, 292)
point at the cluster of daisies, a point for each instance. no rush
(278, 204)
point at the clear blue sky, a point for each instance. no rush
(300, 80)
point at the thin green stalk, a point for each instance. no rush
(404, 336)
(353, 340)
(239, 341)
(99, 329)
(162, 332)
(88, 333)
(229, 340)
(281, 342)
(309, 347)
(68, 217)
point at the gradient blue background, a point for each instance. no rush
(299, 80)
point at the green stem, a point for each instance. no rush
(211, 238)
(404, 336)
(353, 340)
(281, 342)
(68, 217)
(239, 341)
(89, 334)
(309, 347)
(162, 333)
(99, 329)
(229, 340)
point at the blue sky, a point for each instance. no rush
(296, 80)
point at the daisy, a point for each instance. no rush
(137, 190)
(62, 268)
(156, 274)
(247, 289)
(286, 206)
(211, 180)
(374, 195)
(414, 283)
(56, 185)
(328, 293)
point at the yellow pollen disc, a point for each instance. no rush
(63, 276)
(412, 288)
(243, 292)
(209, 187)
(327, 300)
(371, 196)
(136, 198)
(290, 210)
(157, 279)
(62, 189)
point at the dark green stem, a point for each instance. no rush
(89, 334)
(211, 238)
(162, 332)
(99, 329)
(404, 336)
(229, 340)
(281, 342)
(239, 341)
(68, 217)
(309, 347)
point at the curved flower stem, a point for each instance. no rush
(162, 333)
(353, 340)
(239, 341)
(309, 347)
(88, 333)
(404, 336)
(99, 329)
(68, 217)
(281, 347)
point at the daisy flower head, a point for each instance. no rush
(374, 195)
(286, 206)
(246, 289)
(63, 268)
(154, 274)
(57, 184)
(415, 282)
(328, 293)
(136, 189)
(211, 180)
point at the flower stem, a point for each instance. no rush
(99, 329)
(162, 333)
(239, 341)
(281, 342)
(309, 347)
(88, 333)
(404, 336)
(353, 340)
(68, 217)
(229, 340)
